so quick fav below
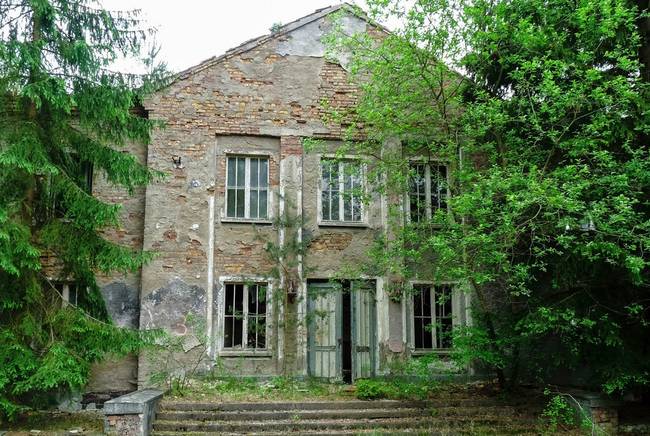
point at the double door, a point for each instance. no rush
(341, 330)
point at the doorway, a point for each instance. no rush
(341, 329)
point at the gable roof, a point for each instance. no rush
(287, 28)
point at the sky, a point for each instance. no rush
(190, 31)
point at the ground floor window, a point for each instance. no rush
(69, 292)
(432, 318)
(244, 316)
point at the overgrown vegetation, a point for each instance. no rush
(221, 384)
(540, 112)
(63, 113)
(173, 369)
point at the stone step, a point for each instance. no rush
(396, 412)
(297, 425)
(377, 431)
(325, 405)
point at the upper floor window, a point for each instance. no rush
(244, 316)
(432, 317)
(427, 190)
(247, 190)
(341, 189)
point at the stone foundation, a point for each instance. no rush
(131, 414)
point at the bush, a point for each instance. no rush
(398, 389)
(370, 389)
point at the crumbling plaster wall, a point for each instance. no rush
(121, 292)
(262, 100)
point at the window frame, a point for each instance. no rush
(221, 316)
(64, 288)
(429, 210)
(247, 189)
(455, 315)
(363, 221)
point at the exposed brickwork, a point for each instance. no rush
(123, 425)
(339, 95)
(330, 242)
(262, 101)
(290, 145)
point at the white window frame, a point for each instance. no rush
(341, 221)
(427, 187)
(247, 188)
(457, 304)
(221, 312)
(65, 292)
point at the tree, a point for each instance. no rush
(63, 110)
(541, 111)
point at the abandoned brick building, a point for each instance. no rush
(232, 148)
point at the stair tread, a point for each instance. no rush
(327, 421)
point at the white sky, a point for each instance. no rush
(190, 31)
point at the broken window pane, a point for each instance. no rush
(444, 321)
(229, 335)
(422, 317)
(245, 316)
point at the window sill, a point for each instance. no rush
(354, 224)
(264, 222)
(244, 353)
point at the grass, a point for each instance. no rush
(228, 388)
(55, 423)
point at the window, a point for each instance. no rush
(81, 171)
(427, 190)
(247, 190)
(341, 189)
(244, 316)
(432, 317)
(69, 292)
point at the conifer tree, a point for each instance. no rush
(63, 111)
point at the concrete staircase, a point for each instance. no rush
(435, 417)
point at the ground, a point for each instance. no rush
(55, 423)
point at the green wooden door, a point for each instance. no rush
(324, 330)
(364, 321)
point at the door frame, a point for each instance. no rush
(338, 322)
